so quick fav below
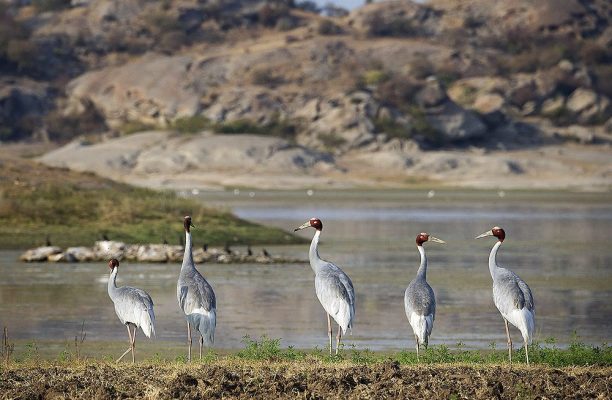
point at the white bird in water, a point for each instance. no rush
(419, 299)
(333, 287)
(511, 295)
(196, 297)
(133, 306)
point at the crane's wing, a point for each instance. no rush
(420, 299)
(510, 292)
(336, 294)
(136, 306)
(196, 294)
(529, 303)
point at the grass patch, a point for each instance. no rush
(77, 208)
(192, 124)
(577, 354)
(276, 127)
(136, 126)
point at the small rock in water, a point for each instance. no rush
(39, 253)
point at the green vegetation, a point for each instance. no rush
(194, 124)
(270, 350)
(331, 141)
(76, 209)
(276, 127)
(136, 126)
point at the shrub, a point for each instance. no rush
(50, 5)
(398, 91)
(65, 127)
(265, 77)
(277, 127)
(135, 126)
(328, 27)
(192, 124)
(392, 128)
(374, 77)
(331, 141)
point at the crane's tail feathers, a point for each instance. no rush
(147, 323)
(422, 326)
(524, 320)
(205, 322)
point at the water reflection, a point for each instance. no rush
(559, 246)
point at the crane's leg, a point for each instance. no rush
(329, 333)
(134, 345)
(509, 341)
(338, 337)
(188, 342)
(526, 353)
(201, 344)
(416, 338)
(129, 348)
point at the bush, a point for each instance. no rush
(193, 124)
(277, 127)
(265, 77)
(374, 77)
(135, 126)
(65, 127)
(398, 91)
(50, 5)
(328, 27)
(331, 141)
(392, 128)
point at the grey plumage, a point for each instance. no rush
(419, 298)
(196, 297)
(133, 306)
(511, 295)
(333, 287)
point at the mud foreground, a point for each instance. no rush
(303, 380)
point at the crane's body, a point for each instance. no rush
(196, 297)
(134, 308)
(333, 287)
(419, 298)
(511, 296)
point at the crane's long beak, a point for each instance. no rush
(303, 226)
(192, 225)
(487, 233)
(435, 239)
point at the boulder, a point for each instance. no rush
(588, 105)
(61, 257)
(581, 99)
(455, 123)
(152, 253)
(81, 254)
(40, 253)
(553, 105)
(107, 249)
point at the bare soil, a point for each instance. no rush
(303, 380)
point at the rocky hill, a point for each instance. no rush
(405, 88)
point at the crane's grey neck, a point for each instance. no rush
(313, 254)
(422, 272)
(112, 284)
(493, 260)
(188, 256)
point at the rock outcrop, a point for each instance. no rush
(147, 253)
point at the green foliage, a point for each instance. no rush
(50, 5)
(136, 126)
(265, 77)
(281, 128)
(267, 349)
(328, 27)
(56, 205)
(392, 128)
(374, 77)
(331, 141)
(194, 124)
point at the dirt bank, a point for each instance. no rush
(303, 380)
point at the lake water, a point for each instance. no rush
(559, 243)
